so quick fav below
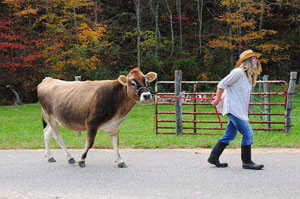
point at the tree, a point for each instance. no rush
(200, 11)
(171, 29)
(138, 7)
(154, 8)
(20, 51)
(101, 39)
(75, 47)
(242, 18)
(178, 5)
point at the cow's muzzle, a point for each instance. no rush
(144, 93)
(145, 96)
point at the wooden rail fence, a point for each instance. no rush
(195, 125)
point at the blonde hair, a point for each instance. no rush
(251, 70)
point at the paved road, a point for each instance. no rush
(157, 174)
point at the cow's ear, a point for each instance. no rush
(151, 76)
(122, 79)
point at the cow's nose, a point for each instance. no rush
(145, 96)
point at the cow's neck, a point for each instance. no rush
(127, 104)
(113, 102)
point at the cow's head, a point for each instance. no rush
(137, 84)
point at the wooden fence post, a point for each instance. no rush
(261, 100)
(252, 99)
(78, 78)
(289, 105)
(267, 100)
(178, 104)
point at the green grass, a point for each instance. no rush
(21, 128)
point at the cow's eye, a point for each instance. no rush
(133, 83)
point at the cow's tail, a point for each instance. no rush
(43, 120)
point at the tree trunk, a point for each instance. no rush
(231, 51)
(47, 20)
(171, 27)
(200, 11)
(180, 21)
(138, 6)
(239, 29)
(230, 35)
(154, 9)
(156, 29)
(75, 23)
(261, 16)
(297, 20)
(29, 28)
(47, 11)
(96, 15)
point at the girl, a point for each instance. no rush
(234, 103)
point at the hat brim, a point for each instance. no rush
(253, 54)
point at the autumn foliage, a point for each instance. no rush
(98, 39)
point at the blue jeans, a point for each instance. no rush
(234, 125)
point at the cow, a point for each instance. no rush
(90, 106)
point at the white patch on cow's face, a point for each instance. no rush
(145, 96)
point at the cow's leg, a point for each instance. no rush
(47, 138)
(91, 134)
(115, 143)
(56, 135)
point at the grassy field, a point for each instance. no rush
(21, 128)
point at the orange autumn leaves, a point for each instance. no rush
(83, 56)
(244, 29)
(74, 40)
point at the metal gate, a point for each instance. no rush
(199, 115)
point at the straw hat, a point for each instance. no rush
(246, 55)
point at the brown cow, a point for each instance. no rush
(90, 106)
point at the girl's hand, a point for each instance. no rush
(215, 102)
(218, 97)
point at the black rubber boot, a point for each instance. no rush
(215, 154)
(246, 158)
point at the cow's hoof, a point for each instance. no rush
(81, 164)
(71, 161)
(51, 160)
(122, 165)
